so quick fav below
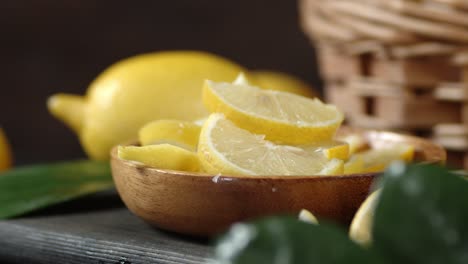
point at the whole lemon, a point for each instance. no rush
(137, 90)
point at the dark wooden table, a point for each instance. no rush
(96, 229)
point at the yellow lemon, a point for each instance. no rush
(361, 226)
(280, 116)
(378, 159)
(176, 132)
(355, 164)
(161, 156)
(307, 216)
(137, 90)
(5, 152)
(227, 149)
(331, 149)
(280, 81)
(356, 142)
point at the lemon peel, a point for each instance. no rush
(161, 156)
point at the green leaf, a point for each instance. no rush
(422, 216)
(25, 189)
(284, 240)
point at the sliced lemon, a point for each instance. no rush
(5, 152)
(307, 216)
(227, 149)
(282, 117)
(200, 121)
(376, 160)
(361, 227)
(161, 156)
(355, 164)
(175, 132)
(331, 149)
(356, 142)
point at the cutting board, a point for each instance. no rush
(96, 229)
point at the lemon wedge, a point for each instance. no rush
(331, 149)
(227, 149)
(354, 165)
(356, 142)
(161, 156)
(307, 216)
(175, 132)
(361, 227)
(378, 159)
(281, 116)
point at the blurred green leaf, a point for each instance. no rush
(422, 216)
(284, 240)
(28, 188)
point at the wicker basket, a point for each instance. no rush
(396, 64)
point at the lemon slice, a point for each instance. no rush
(361, 226)
(331, 149)
(356, 143)
(227, 149)
(200, 121)
(281, 116)
(161, 156)
(376, 160)
(5, 152)
(355, 164)
(175, 132)
(307, 216)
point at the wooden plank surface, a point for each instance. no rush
(96, 229)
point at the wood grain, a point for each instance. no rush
(81, 233)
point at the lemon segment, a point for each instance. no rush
(5, 152)
(307, 216)
(175, 132)
(331, 149)
(361, 227)
(280, 81)
(376, 160)
(227, 149)
(200, 121)
(354, 165)
(374, 168)
(282, 117)
(356, 142)
(340, 151)
(162, 156)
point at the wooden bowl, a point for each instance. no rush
(203, 205)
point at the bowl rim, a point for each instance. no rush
(367, 134)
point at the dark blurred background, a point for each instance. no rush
(52, 46)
